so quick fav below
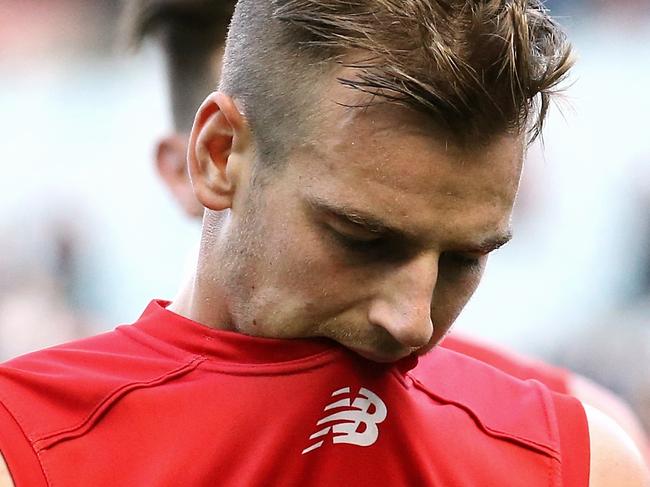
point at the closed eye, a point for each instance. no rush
(357, 242)
(462, 261)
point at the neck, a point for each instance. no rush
(182, 302)
(201, 298)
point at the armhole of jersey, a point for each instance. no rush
(574, 440)
(21, 459)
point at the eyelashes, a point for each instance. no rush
(382, 248)
(462, 260)
(355, 240)
(356, 244)
(456, 265)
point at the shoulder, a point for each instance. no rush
(615, 461)
(117, 356)
(101, 361)
(60, 388)
(613, 406)
(5, 477)
(557, 379)
(510, 362)
(522, 412)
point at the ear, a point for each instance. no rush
(220, 152)
(171, 165)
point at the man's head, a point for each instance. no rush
(191, 35)
(368, 155)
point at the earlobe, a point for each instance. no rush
(218, 151)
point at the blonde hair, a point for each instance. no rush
(479, 68)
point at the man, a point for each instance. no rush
(365, 171)
(179, 27)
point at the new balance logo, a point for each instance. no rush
(355, 422)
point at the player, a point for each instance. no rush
(178, 28)
(365, 174)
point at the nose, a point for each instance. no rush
(403, 305)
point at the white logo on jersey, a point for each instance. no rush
(367, 409)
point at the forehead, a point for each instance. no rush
(388, 162)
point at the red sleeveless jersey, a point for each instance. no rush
(522, 367)
(168, 402)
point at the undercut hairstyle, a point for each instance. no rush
(477, 68)
(190, 33)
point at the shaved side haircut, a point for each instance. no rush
(191, 33)
(477, 68)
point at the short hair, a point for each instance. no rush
(190, 32)
(478, 68)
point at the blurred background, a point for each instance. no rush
(88, 235)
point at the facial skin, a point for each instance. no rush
(374, 235)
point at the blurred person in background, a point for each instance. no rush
(39, 279)
(623, 364)
(178, 26)
(192, 34)
(609, 462)
(44, 236)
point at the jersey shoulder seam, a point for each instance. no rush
(113, 397)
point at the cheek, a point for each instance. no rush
(302, 265)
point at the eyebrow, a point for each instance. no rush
(375, 225)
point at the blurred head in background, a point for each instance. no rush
(191, 35)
